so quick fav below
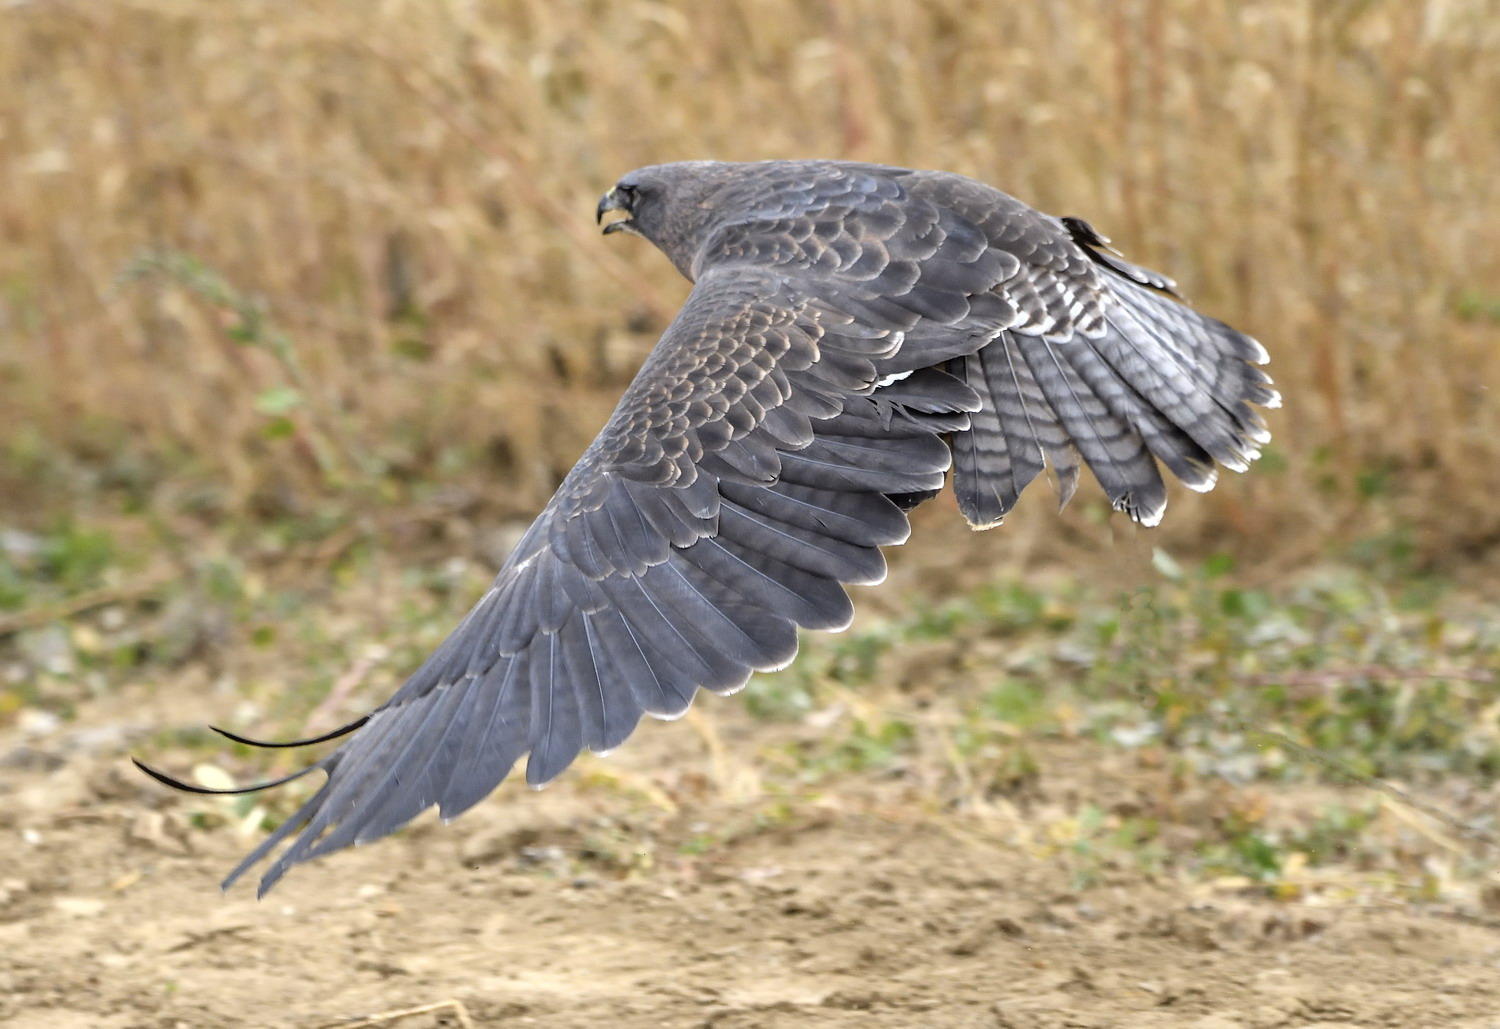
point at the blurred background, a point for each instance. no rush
(303, 314)
(259, 255)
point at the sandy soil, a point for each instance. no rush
(649, 889)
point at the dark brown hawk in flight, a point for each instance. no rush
(853, 333)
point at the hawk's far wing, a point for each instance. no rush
(740, 482)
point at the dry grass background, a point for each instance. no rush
(406, 189)
(302, 307)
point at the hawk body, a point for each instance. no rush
(854, 332)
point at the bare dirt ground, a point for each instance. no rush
(658, 887)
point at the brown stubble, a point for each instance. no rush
(408, 186)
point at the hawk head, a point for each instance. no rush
(672, 205)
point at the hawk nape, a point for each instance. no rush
(853, 332)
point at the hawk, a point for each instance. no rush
(854, 334)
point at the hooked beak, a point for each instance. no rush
(611, 201)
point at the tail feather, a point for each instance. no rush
(1160, 383)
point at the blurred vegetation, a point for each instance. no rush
(1332, 678)
(1190, 727)
(302, 312)
(359, 261)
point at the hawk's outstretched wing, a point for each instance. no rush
(799, 402)
(742, 480)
